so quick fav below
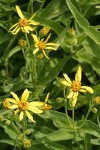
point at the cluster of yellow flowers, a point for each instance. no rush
(23, 106)
(27, 25)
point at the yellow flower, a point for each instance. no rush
(42, 45)
(23, 23)
(44, 31)
(45, 106)
(27, 143)
(75, 86)
(22, 42)
(23, 106)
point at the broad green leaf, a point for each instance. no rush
(84, 56)
(7, 141)
(9, 130)
(57, 28)
(87, 142)
(60, 135)
(54, 9)
(84, 24)
(13, 51)
(60, 120)
(91, 128)
(55, 71)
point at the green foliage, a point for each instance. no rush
(73, 40)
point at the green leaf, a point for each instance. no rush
(59, 135)
(91, 128)
(60, 120)
(7, 141)
(54, 71)
(13, 51)
(84, 24)
(54, 9)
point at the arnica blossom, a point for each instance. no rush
(75, 86)
(27, 143)
(23, 24)
(22, 42)
(44, 31)
(23, 106)
(46, 106)
(42, 45)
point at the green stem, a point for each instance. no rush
(67, 117)
(89, 110)
(30, 7)
(73, 117)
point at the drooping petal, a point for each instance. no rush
(26, 29)
(33, 23)
(29, 116)
(78, 75)
(52, 44)
(15, 96)
(36, 50)
(74, 100)
(12, 100)
(15, 31)
(70, 94)
(21, 115)
(67, 79)
(45, 54)
(83, 90)
(51, 48)
(15, 25)
(19, 12)
(13, 106)
(30, 28)
(35, 38)
(89, 89)
(25, 95)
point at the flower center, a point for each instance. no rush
(23, 106)
(76, 86)
(41, 45)
(23, 22)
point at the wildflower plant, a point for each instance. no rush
(49, 75)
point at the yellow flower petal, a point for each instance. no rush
(29, 116)
(19, 12)
(21, 115)
(78, 75)
(46, 99)
(25, 95)
(67, 79)
(51, 48)
(13, 107)
(89, 89)
(37, 103)
(74, 99)
(66, 83)
(15, 96)
(36, 50)
(12, 100)
(35, 38)
(45, 54)
(35, 110)
(70, 94)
